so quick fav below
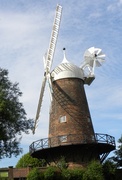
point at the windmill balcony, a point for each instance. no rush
(102, 140)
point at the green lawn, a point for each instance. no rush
(3, 174)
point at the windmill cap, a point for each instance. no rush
(66, 70)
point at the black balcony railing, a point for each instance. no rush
(70, 139)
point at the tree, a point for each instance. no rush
(13, 121)
(27, 160)
(117, 159)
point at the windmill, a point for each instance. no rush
(71, 132)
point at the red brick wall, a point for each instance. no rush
(70, 100)
(21, 172)
(18, 172)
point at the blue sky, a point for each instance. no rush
(25, 28)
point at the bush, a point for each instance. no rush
(68, 174)
(94, 171)
(109, 169)
(35, 174)
(52, 173)
(62, 163)
(77, 174)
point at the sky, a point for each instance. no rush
(25, 29)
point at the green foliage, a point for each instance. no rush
(27, 160)
(93, 171)
(35, 174)
(77, 174)
(13, 120)
(68, 174)
(3, 175)
(62, 163)
(109, 169)
(51, 173)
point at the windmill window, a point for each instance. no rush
(62, 119)
(63, 138)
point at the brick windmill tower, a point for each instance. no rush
(71, 133)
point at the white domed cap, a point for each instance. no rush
(66, 70)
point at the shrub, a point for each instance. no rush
(62, 163)
(93, 171)
(52, 173)
(68, 174)
(35, 174)
(109, 169)
(77, 174)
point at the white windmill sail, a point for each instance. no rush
(48, 59)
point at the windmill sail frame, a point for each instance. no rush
(49, 59)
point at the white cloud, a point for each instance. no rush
(95, 15)
(116, 6)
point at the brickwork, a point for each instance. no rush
(21, 172)
(14, 173)
(70, 100)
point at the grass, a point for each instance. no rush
(3, 174)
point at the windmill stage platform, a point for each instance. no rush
(72, 149)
